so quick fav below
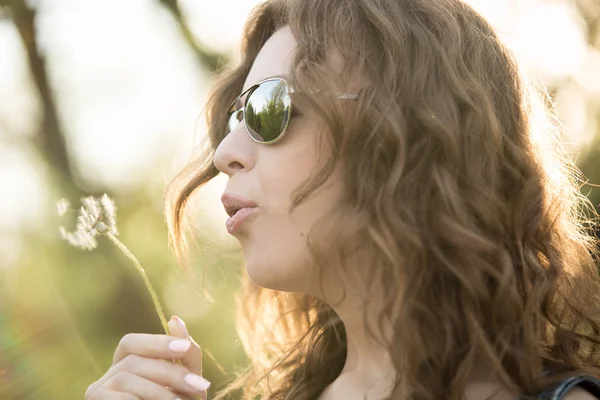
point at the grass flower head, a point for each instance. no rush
(96, 216)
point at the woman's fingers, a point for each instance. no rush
(150, 345)
(177, 327)
(162, 372)
(193, 359)
(133, 385)
(164, 347)
(143, 369)
(103, 394)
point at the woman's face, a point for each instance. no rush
(273, 239)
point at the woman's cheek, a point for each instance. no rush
(277, 257)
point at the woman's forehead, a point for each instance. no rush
(274, 59)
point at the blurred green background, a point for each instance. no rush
(105, 97)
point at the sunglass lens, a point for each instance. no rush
(268, 110)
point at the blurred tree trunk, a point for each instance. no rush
(210, 60)
(49, 139)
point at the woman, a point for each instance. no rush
(409, 226)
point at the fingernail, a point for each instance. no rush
(196, 381)
(181, 325)
(180, 346)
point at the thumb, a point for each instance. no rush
(193, 357)
(177, 327)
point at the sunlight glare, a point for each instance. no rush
(549, 37)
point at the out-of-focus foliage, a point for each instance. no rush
(63, 310)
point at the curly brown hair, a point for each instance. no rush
(455, 182)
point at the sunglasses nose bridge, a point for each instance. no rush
(235, 118)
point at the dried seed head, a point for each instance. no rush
(62, 206)
(81, 240)
(96, 216)
(110, 213)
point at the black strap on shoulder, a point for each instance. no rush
(588, 383)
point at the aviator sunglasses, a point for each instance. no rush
(267, 110)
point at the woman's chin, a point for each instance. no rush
(273, 278)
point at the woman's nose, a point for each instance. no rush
(235, 152)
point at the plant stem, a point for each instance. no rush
(138, 266)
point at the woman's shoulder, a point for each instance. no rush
(579, 394)
(575, 388)
(582, 387)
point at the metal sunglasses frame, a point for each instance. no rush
(289, 90)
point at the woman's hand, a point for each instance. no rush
(141, 369)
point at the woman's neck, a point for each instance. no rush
(369, 372)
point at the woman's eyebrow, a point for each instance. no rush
(282, 76)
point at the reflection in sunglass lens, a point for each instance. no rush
(235, 118)
(267, 110)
